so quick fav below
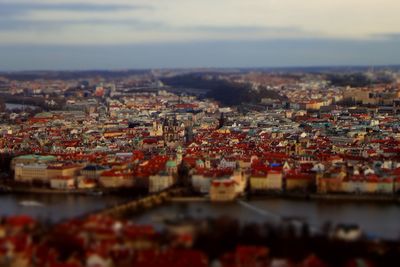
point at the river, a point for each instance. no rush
(54, 207)
(376, 219)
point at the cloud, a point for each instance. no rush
(9, 9)
(21, 25)
(87, 22)
(241, 29)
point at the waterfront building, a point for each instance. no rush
(86, 183)
(160, 182)
(62, 182)
(222, 190)
(201, 183)
(92, 171)
(331, 180)
(30, 159)
(258, 181)
(28, 173)
(274, 180)
(116, 179)
(63, 170)
(385, 186)
(303, 182)
(240, 179)
(360, 184)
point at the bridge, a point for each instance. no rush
(125, 210)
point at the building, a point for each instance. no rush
(258, 181)
(62, 170)
(201, 183)
(222, 190)
(62, 182)
(267, 179)
(28, 173)
(116, 179)
(274, 180)
(160, 182)
(93, 171)
(299, 181)
(30, 159)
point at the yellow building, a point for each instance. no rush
(222, 190)
(62, 170)
(62, 182)
(43, 173)
(31, 172)
(299, 181)
(258, 182)
(270, 181)
(274, 180)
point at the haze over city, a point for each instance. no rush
(93, 34)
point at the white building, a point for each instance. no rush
(160, 182)
(201, 183)
(30, 172)
(62, 182)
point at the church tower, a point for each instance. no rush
(221, 121)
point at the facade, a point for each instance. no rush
(258, 182)
(116, 179)
(31, 172)
(201, 183)
(62, 170)
(330, 181)
(160, 182)
(361, 184)
(222, 190)
(270, 180)
(299, 182)
(240, 180)
(62, 183)
(86, 183)
(93, 171)
(274, 180)
(385, 186)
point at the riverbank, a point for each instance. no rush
(300, 196)
(7, 188)
(19, 189)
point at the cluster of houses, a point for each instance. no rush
(121, 170)
(261, 178)
(140, 140)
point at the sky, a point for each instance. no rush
(121, 34)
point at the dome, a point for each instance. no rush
(199, 162)
(171, 164)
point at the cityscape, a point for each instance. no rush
(153, 140)
(219, 133)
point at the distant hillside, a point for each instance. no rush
(359, 79)
(227, 93)
(69, 75)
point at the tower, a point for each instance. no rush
(179, 155)
(221, 121)
(188, 134)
